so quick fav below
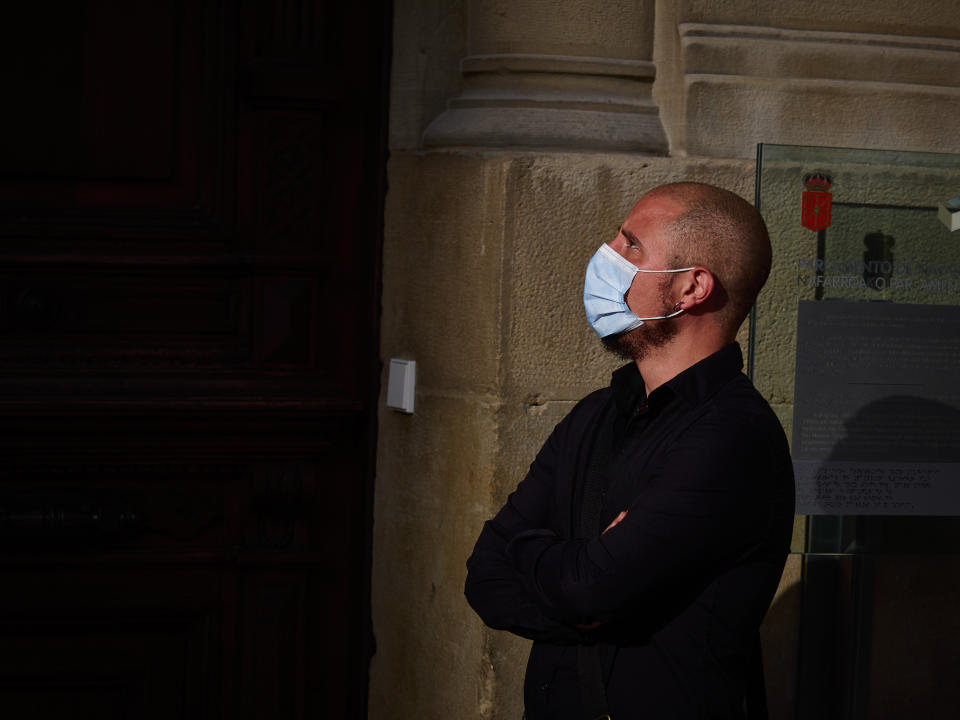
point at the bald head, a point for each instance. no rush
(723, 232)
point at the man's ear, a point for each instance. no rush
(698, 286)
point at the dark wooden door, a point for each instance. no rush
(190, 205)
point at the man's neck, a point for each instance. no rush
(662, 364)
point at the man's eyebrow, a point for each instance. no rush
(629, 235)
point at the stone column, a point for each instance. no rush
(571, 75)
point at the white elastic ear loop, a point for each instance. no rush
(676, 270)
(629, 266)
(663, 271)
(663, 317)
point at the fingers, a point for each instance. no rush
(617, 519)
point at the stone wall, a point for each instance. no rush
(489, 228)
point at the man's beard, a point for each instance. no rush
(637, 343)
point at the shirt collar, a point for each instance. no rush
(628, 388)
(695, 384)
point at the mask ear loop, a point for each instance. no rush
(666, 317)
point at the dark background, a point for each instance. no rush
(190, 226)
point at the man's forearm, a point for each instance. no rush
(497, 595)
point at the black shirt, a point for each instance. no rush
(681, 584)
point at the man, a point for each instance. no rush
(645, 544)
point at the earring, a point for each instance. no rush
(677, 306)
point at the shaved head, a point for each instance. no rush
(724, 233)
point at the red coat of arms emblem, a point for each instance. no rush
(817, 202)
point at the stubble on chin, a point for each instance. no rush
(636, 344)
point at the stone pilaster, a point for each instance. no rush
(541, 76)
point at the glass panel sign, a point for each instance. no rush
(856, 338)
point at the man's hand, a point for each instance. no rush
(597, 623)
(617, 519)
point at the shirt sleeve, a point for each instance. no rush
(494, 588)
(710, 499)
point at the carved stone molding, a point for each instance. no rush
(746, 84)
(552, 101)
(779, 52)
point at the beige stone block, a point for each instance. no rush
(564, 211)
(815, 54)
(930, 17)
(745, 84)
(524, 426)
(798, 542)
(434, 474)
(435, 487)
(728, 116)
(508, 662)
(442, 257)
(597, 28)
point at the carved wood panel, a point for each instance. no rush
(77, 643)
(122, 127)
(190, 204)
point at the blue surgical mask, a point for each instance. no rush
(609, 276)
